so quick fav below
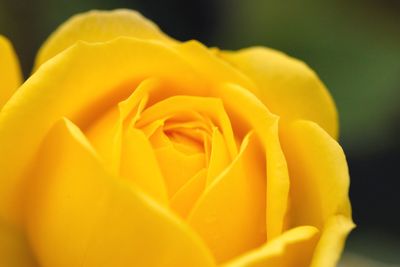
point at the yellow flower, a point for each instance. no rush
(128, 148)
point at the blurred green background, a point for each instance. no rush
(353, 45)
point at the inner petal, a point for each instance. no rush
(184, 199)
(187, 141)
(127, 150)
(178, 106)
(229, 232)
(219, 156)
(139, 165)
(253, 114)
(189, 133)
(178, 167)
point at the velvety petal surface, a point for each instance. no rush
(231, 232)
(293, 248)
(10, 73)
(287, 86)
(99, 26)
(330, 246)
(318, 174)
(252, 114)
(14, 248)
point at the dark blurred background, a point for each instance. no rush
(353, 45)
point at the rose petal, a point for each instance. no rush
(293, 248)
(14, 248)
(210, 107)
(10, 73)
(127, 150)
(331, 243)
(246, 111)
(208, 64)
(288, 87)
(103, 135)
(184, 199)
(318, 174)
(139, 164)
(177, 167)
(230, 215)
(81, 215)
(99, 26)
(219, 158)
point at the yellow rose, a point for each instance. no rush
(128, 148)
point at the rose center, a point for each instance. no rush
(181, 151)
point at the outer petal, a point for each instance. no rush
(10, 73)
(331, 243)
(99, 26)
(81, 216)
(14, 248)
(205, 62)
(318, 174)
(293, 248)
(287, 86)
(14, 251)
